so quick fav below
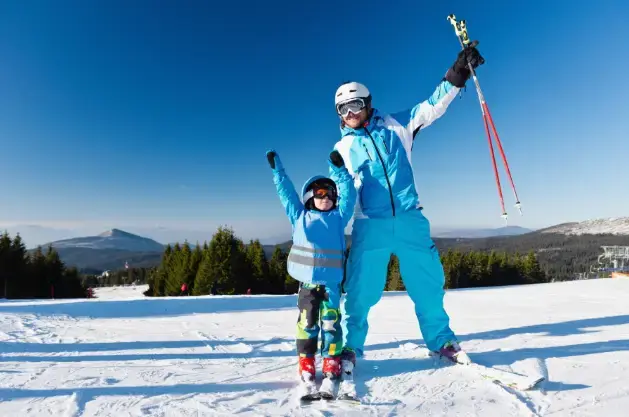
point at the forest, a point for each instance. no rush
(228, 265)
(37, 274)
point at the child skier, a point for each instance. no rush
(316, 259)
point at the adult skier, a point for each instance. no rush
(376, 148)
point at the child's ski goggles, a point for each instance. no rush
(354, 106)
(324, 192)
(320, 193)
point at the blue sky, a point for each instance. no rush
(153, 114)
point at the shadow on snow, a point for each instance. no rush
(85, 395)
(151, 307)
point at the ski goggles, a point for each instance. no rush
(355, 106)
(320, 193)
(324, 192)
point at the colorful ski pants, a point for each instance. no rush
(406, 235)
(319, 313)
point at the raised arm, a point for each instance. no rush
(285, 188)
(425, 113)
(345, 184)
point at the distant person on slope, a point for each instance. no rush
(376, 148)
(316, 259)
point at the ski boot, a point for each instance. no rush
(453, 352)
(347, 388)
(332, 367)
(348, 360)
(331, 375)
(308, 387)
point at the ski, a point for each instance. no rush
(310, 397)
(508, 378)
(499, 376)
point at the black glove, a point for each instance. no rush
(270, 156)
(459, 73)
(337, 159)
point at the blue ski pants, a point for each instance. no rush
(407, 235)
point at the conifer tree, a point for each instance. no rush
(394, 279)
(179, 269)
(54, 270)
(5, 263)
(195, 264)
(259, 268)
(205, 276)
(163, 271)
(278, 275)
(40, 287)
(70, 285)
(531, 270)
(18, 271)
(227, 264)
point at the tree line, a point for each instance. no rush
(226, 265)
(37, 274)
(562, 257)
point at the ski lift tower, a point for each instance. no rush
(613, 259)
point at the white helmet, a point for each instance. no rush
(349, 91)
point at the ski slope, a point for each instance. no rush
(127, 355)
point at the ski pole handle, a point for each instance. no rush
(460, 29)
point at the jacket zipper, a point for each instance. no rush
(367, 150)
(386, 175)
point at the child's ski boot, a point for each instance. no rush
(331, 375)
(308, 387)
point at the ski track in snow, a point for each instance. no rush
(123, 354)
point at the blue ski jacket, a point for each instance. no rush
(379, 155)
(318, 250)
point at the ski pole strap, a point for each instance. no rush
(460, 29)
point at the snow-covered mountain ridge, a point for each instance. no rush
(612, 225)
(111, 239)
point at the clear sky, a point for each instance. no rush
(158, 113)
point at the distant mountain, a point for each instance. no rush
(481, 233)
(111, 239)
(611, 226)
(108, 250)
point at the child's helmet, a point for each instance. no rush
(317, 182)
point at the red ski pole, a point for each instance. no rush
(461, 31)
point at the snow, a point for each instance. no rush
(121, 292)
(124, 354)
(612, 225)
